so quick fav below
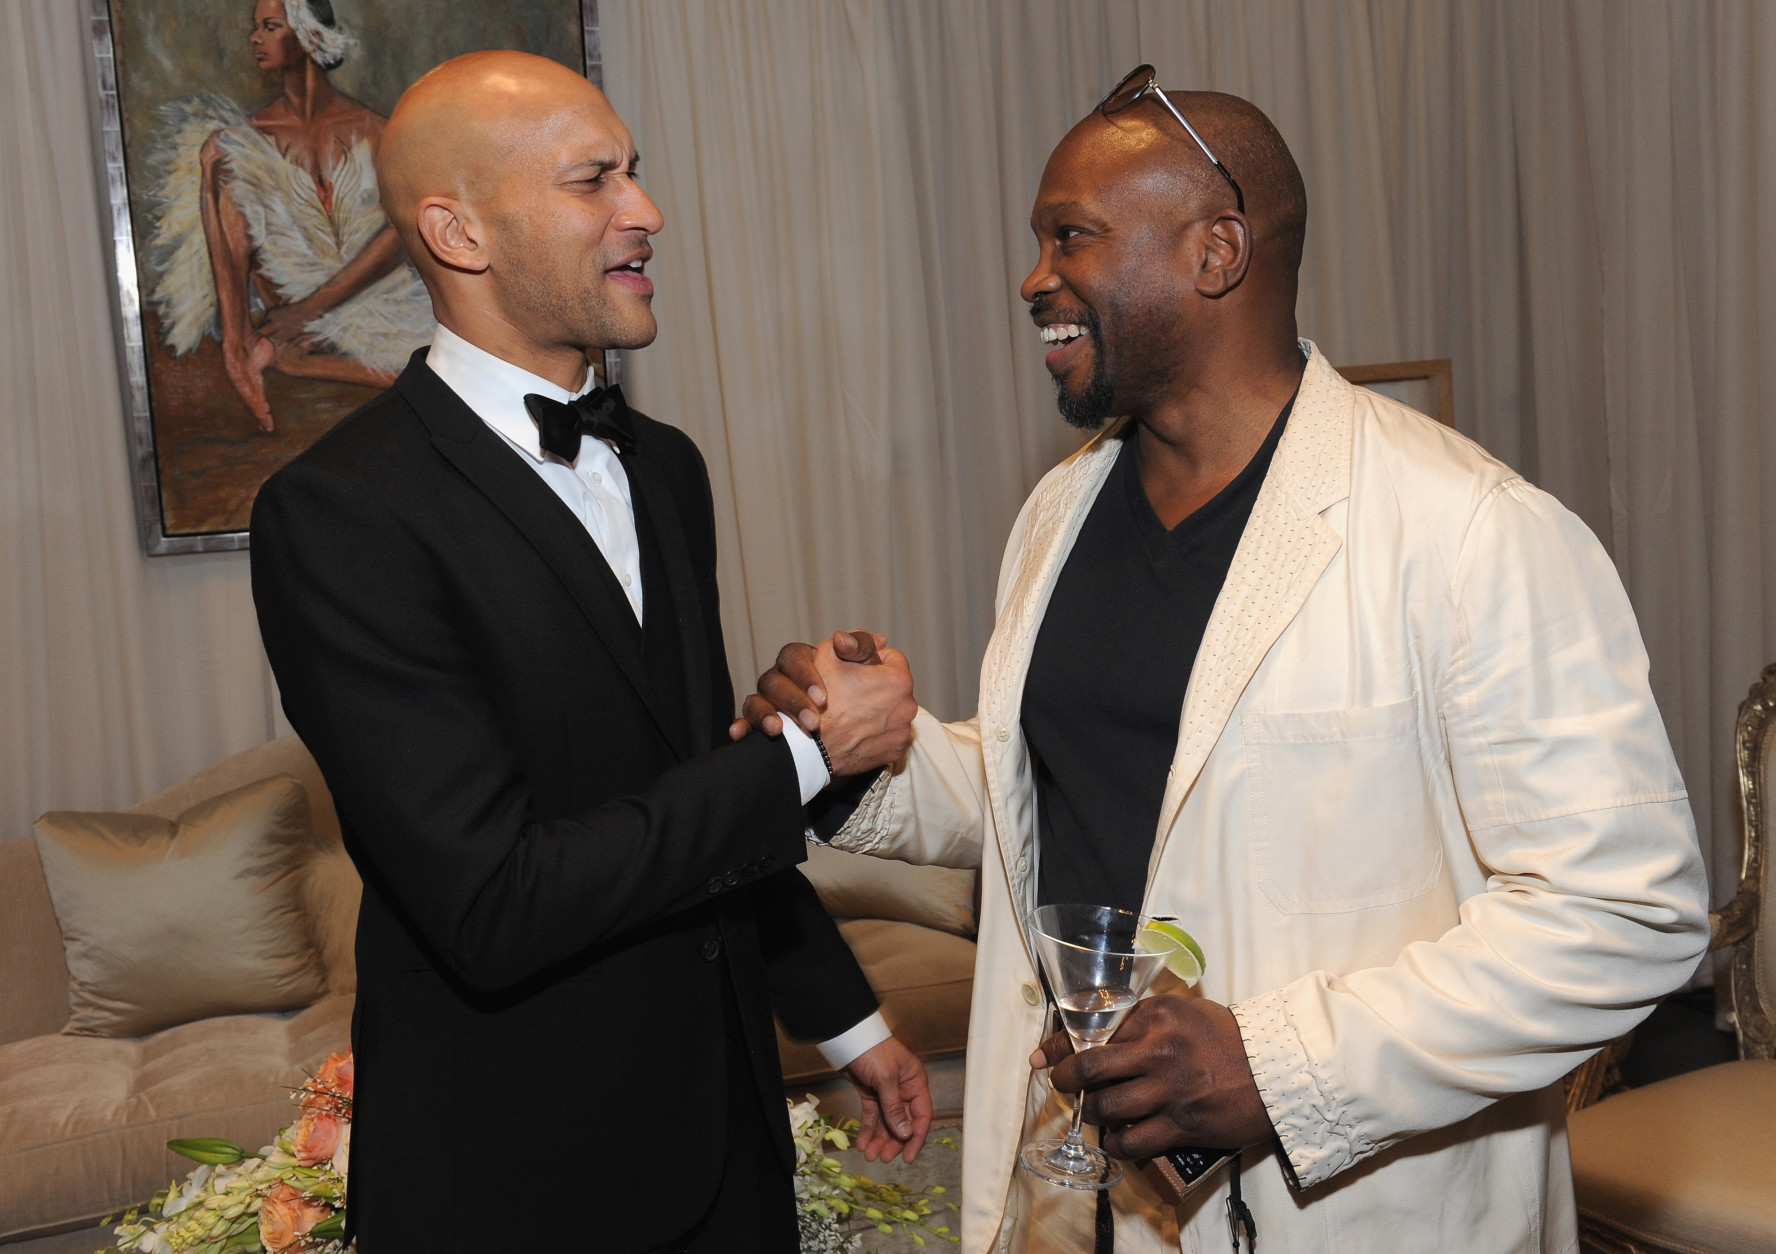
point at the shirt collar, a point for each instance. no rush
(494, 388)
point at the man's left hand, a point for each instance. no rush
(1174, 1075)
(896, 1096)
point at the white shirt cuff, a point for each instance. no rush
(847, 1047)
(810, 770)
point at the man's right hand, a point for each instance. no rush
(854, 690)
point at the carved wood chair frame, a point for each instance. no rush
(1736, 924)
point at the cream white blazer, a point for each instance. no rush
(1423, 817)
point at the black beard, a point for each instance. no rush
(1091, 407)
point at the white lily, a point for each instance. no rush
(342, 1155)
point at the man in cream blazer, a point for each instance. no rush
(1421, 811)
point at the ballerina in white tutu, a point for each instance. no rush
(278, 212)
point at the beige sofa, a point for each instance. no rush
(84, 1121)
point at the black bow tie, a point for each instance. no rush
(600, 413)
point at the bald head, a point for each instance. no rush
(1253, 151)
(1145, 146)
(459, 129)
(511, 182)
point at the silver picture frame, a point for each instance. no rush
(126, 294)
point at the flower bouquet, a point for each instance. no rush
(834, 1207)
(289, 1198)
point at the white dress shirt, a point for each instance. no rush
(595, 487)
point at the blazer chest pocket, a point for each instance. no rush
(1342, 818)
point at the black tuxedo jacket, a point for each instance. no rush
(569, 874)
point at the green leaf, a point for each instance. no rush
(207, 1149)
(332, 1228)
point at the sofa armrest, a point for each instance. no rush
(33, 970)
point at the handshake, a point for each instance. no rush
(853, 690)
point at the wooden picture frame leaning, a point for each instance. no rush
(235, 348)
(1414, 383)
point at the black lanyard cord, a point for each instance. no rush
(1238, 1213)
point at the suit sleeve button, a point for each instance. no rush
(711, 950)
(1031, 995)
(715, 884)
(732, 878)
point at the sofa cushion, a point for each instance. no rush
(168, 922)
(924, 979)
(1687, 1162)
(84, 1120)
(333, 890)
(861, 886)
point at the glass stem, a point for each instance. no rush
(1074, 1145)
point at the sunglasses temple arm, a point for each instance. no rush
(1208, 152)
(1185, 123)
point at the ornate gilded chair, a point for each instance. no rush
(1688, 1165)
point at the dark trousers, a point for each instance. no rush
(754, 1207)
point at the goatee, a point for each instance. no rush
(1091, 407)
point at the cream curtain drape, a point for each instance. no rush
(118, 675)
(1572, 199)
(1575, 201)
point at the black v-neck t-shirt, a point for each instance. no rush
(1106, 684)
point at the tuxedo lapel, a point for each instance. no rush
(1285, 548)
(500, 474)
(652, 494)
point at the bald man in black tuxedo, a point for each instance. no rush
(489, 599)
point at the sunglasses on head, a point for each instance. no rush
(1142, 81)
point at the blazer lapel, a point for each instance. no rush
(1054, 523)
(652, 494)
(1286, 546)
(529, 505)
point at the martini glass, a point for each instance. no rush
(1098, 972)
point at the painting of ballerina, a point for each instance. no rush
(274, 296)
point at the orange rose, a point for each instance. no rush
(285, 1216)
(315, 1137)
(335, 1076)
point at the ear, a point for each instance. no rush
(453, 234)
(1225, 243)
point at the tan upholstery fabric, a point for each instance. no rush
(1689, 1161)
(84, 1121)
(924, 979)
(857, 886)
(35, 974)
(168, 922)
(286, 755)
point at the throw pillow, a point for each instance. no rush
(166, 922)
(858, 886)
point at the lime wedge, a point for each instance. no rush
(1185, 959)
